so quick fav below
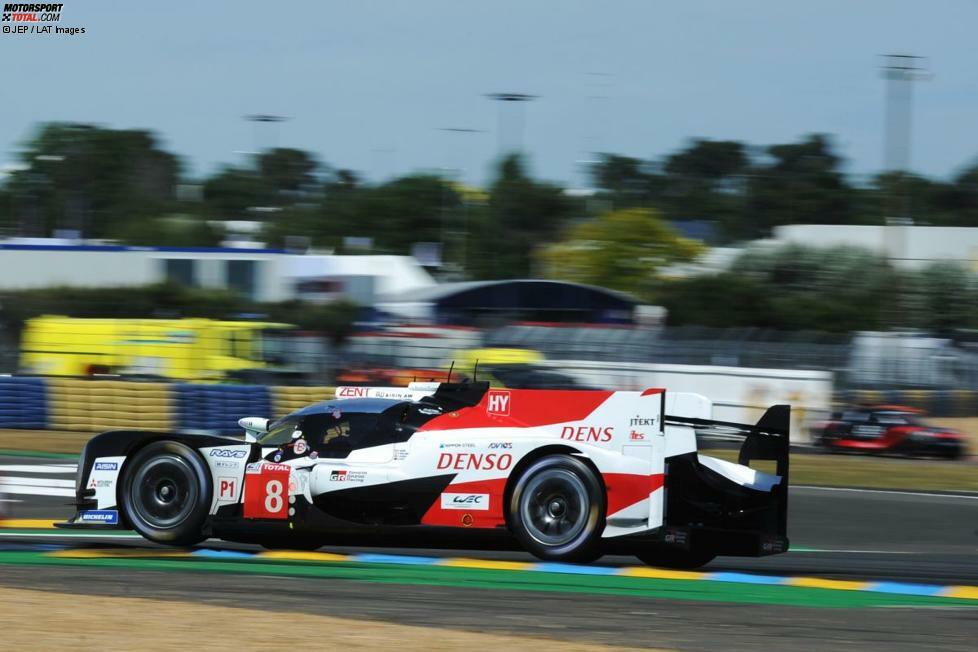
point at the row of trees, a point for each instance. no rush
(748, 190)
(123, 185)
(840, 289)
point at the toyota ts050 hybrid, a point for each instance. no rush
(565, 474)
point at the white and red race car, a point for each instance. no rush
(565, 474)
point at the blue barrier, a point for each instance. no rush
(218, 407)
(23, 403)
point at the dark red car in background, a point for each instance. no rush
(887, 429)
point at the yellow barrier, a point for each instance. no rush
(288, 399)
(96, 405)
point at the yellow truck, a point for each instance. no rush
(180, 349)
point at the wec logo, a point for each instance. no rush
(473, 502)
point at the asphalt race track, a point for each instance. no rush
(871, 570)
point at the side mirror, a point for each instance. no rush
(253, 426)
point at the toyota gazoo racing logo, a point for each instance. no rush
(473, 502)
(31, 12)
(224, 452)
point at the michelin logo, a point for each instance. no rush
(104, 516)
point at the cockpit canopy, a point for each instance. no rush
(335, 428)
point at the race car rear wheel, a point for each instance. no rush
(166, 493)
(677, 558)
(557, 509)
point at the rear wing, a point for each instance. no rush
(768, 439)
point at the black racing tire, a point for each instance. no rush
(677, 558)
(166, 493)
(557, 509)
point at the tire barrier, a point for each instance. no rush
(99, 405)
(84, 405)
(936, 403)
(23, 403)
(288, 399)
(217, 408)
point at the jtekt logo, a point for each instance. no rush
(639, 421)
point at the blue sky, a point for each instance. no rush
(367, 84)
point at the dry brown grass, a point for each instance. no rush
(967, 425)
(42, 621)
(44, 441)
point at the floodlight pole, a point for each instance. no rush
(265, 118)
(900, 71)
(505, 98)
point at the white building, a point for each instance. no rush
(906, 246)
(261, 274)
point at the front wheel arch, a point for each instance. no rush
(533, 456)
(191, 529)
(584, 543)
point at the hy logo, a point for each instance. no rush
(499, 402)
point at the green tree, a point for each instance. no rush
(706, 181)
(802, 183)
(627, 181)
(621, 250)
(521, 215)
(287, 172)
(91, 180)
(230, 192)
(941, 298)
(170, 231)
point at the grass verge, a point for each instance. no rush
(830, 470)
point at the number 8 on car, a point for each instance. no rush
(266, 490)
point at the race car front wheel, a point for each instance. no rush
(557, 509)
(166, 493)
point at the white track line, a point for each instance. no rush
(804, 549)
(39, 468)
(889, 491)
(36, 482)
(68, 533)
(37, 491)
